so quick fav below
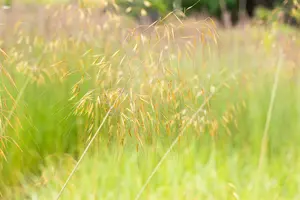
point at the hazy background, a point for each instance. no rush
(171, 99)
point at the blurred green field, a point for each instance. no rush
(55, 93)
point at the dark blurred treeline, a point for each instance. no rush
(237, 9)
(288, 10)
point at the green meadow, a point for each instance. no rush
(179, 110)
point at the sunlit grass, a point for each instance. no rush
(167, 73)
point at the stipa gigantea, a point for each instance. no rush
(5, 121)
(87, 148)
(87, 108)
(87, 105)
(214, 128)
(3, 141)
(176, 141)
(4, 53)
(8, 76)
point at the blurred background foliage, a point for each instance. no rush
(289, 9)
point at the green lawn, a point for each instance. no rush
(54, 94)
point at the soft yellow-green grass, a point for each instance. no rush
(56, 91)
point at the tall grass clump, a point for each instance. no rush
(69, 83)
(57, 89)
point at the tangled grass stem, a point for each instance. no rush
(2, 130)
(87, 147)
(178, 137)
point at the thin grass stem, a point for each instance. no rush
(177, 139)
(87, 148)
